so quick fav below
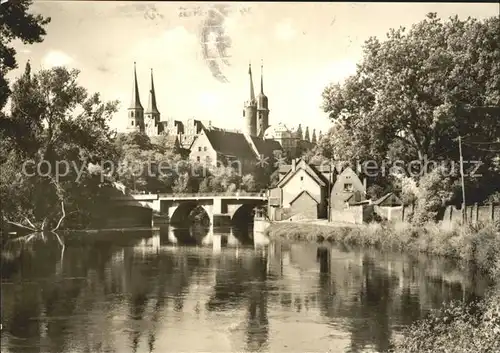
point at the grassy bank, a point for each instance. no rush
(457, 327)
(480, 244)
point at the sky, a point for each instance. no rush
(303, 46)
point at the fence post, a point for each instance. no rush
(492, 212)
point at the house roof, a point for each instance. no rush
(230, 143)
(321, 168)
(266, 147)
(385, 197)
(302, 165)
(306, 192)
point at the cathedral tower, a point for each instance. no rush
(262, 107)
(250, 109)
(135, 111)
(306, 134)
(152, 115)
(313, 137)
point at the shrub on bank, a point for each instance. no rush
(457, 327)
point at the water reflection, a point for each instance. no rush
(174, 290)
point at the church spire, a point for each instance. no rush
(252, 92)
(136, 101)
(152, 108)
(262, 77)
(262, 106)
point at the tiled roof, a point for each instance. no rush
(230, 143)
(319, 174)
(301, 164)
(266, 147)
(385, 197)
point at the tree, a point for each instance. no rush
(16, 23)
(248, 183)
(411, 95)
(63, 130)
(435, 190)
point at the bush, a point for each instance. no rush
(457, 327)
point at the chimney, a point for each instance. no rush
(294, 165)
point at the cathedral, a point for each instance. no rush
(255, 121)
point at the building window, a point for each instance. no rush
(132, 114)
(348, 187)
(198, 158)
(301, 178)
(199, 149)
(207, 159)
(132, 123)
(205, 149)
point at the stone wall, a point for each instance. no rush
(353, 214)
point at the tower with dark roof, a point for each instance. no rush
(313, 137)
(135, 111)
(262, 107)
(250, 109)
(298, 132)
(306, 134)
(152, 114)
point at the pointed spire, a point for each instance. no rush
(298, 132)
(313, 138)
(252, 92)
(262, 77)
(136, 101)
(306, 134)
(152, 108)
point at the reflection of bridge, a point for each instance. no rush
(217, 240)
(220, 209)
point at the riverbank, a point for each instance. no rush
(478, 244)
(457, 327)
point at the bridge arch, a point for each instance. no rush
(182, 213)
(243, 216)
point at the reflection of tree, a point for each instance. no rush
(371, 316)
(258, 323)
(68, 306)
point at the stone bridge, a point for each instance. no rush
(220, 209)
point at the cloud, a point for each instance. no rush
(56, 58)
(285, 30)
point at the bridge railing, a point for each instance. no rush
(235, 194)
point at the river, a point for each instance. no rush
(188, 291)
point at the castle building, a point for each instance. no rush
(197, 136)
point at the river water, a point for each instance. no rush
(186, 291)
